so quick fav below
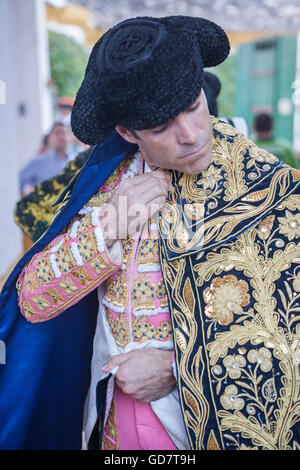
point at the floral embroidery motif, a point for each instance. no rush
(225, 297)
(234, 364)
(230, 399)
(290, 225)
(262, 357)
(210, 177)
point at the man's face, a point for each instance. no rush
(183, 143)
(58, 138)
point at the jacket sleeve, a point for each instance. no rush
(70, 267)
(34, 213)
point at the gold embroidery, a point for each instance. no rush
(148, 253)
(180, 340)
(67, 285)
(212, 442)
(271, 326)
(127, 249)
(189, 295)
(145, 292)
(119, 328)
(31, 282)
(97, 264)
(54, 295)
(248, 301)
(290, 225)
(116, 292)
(82, 276)
(230, 399)
(87, 245)
(40, 302)
(65, 260)
(28, 309)
(196, 416)
(110, 440)
(44, 271)
(226, 296)
(237, 190)
(265, 227)
(142, 330)
(256, 196)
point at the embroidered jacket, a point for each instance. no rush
(76, 262)
(35, 212)
(229, 252)
(232, 275)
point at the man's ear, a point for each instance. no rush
(126, 134)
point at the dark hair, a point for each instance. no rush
(45, 139)
(133, 132)
(263, 122)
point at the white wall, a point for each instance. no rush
(24, 71)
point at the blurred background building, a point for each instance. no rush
(44, 50)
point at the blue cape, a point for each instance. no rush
(46, 374)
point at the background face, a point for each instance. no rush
(58, 137)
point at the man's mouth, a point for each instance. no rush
(196, 152)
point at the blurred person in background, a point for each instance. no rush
(264, 138)
(35, 212)
(65, 105)
(64, 109)
(212, 88)
(45, 145)
(49, 163)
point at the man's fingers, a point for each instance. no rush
(161, 174)
(115, 361)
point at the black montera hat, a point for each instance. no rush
(143, 72)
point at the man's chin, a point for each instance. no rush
(194, 168)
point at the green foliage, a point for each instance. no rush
(68, 61)
(226, 73)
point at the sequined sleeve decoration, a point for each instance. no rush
(66, 270)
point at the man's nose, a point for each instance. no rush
(186, 130)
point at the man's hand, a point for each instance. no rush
(146, 375)
(133, 203)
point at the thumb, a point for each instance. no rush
(115, 361)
